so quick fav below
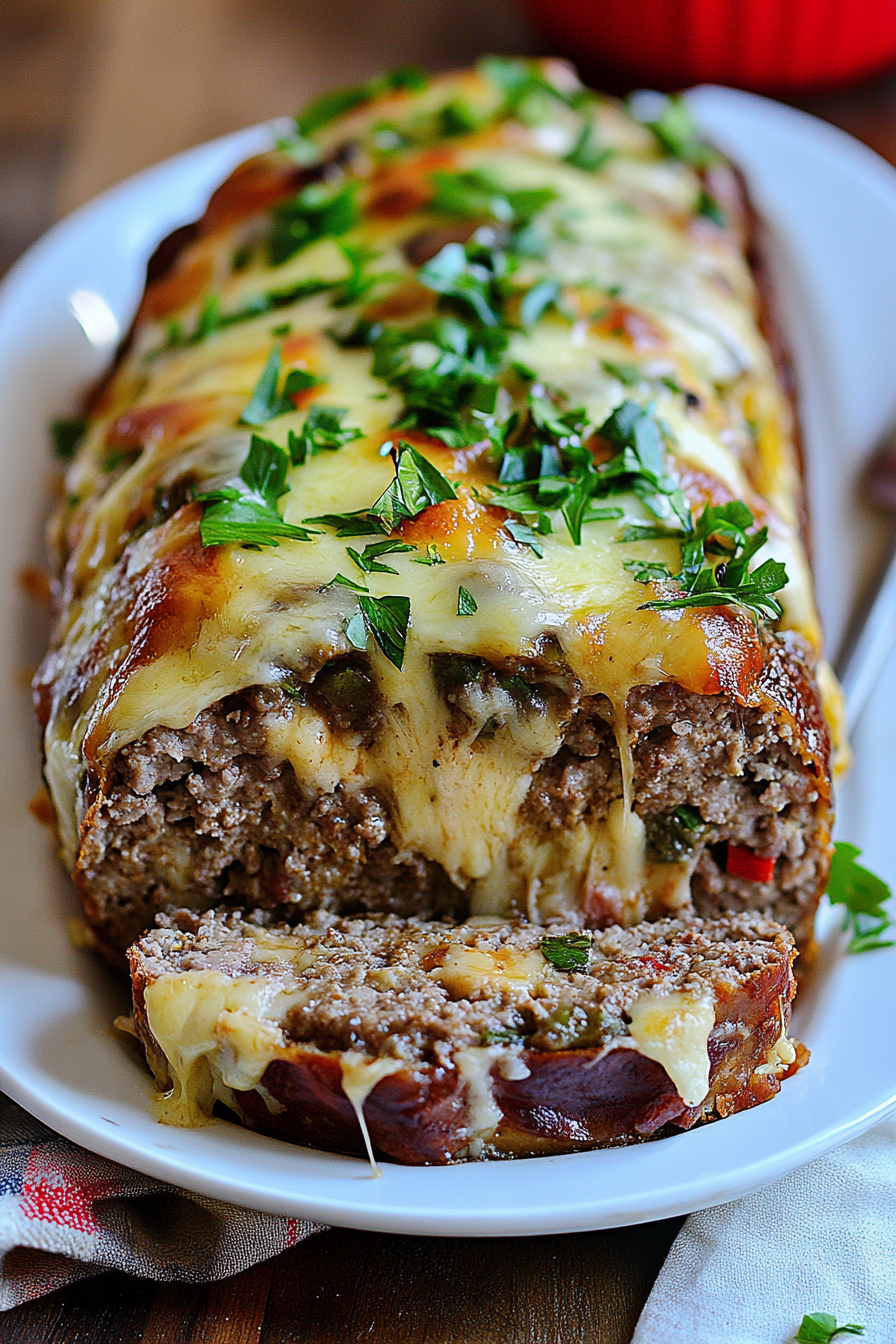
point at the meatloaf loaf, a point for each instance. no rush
(434, 545)
(431, 1043)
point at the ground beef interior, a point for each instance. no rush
(204, 815)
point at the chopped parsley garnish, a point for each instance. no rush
(638, 464)
(556, 469)
(721, 530)
(457, 117)
(387, 619)
(478, 195)
(328, 106)
(369, 560)
(67, 435)
(466, 603)
(526, 88)
(416, 486)
(431, 557)
(341, 581)
(863, 896)
(447, 375)
(568, 952)
(246, 511)
(709, 208)
(322, 432)
(319, 210)
(627, 374)
(537, 300)
(357, 524)
(677, 132)
(211, 319)
(524, 535)
(586, 153)
(469, 283)
(360, 280)
(267, 400)
(820, 1327)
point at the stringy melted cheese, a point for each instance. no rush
(673, 1029)
(217, 1035)
(241, 618)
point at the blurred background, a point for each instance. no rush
(93, 90)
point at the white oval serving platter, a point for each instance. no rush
(831, 206)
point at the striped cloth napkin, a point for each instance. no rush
(66, 1214)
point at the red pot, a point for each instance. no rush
(770, 46)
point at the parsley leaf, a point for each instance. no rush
(478, 195)
(820, 1327)
(416, 486)
(67, 435)
(247, 511)
(863, 895)
(568, 952)
(522, 82)
(211, 318)
(343, 582)
(457, 117)
(538, 299)
(586, 153)
(322, 432)
(556, 468)
(451, 273)
(627, 374)
(319, 210)
(709, 208)
(446, 374)
(524, 535)
(638, 463)
(267, 403)
(360, 281)
(721, 530)
(369, 562)
(431, 557)
(466, 603)
(328, 106)
(358, 524)
(676, 132)
(387, 619)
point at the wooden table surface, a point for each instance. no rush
(90, 91)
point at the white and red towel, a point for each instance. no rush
(65, 1213)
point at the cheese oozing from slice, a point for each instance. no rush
(673, 1029)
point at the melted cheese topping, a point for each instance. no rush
(468, 970)
(674, 1030)
(154, 629)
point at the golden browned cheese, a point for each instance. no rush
(646, 298)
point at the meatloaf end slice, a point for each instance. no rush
(433, 1042)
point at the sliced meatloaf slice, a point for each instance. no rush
(435, 1042)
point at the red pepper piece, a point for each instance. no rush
(743, 862)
